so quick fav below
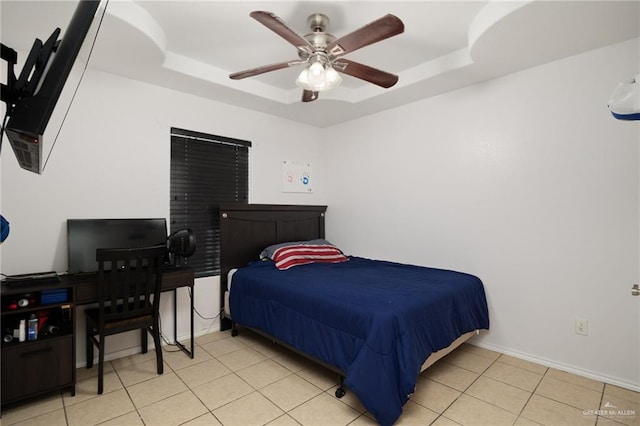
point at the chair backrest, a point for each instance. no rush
(127, 279)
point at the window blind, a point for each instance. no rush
(206, 170)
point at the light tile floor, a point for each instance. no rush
(246, 380)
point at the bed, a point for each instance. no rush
(355, 316)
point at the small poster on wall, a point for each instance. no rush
(296, 177)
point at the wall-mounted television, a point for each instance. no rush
(32, 97)
(84, 236)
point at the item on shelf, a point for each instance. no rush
(20, 301)
(33, 327)
(49, 297)
(43, 317)
(22, 331)
(52, 329)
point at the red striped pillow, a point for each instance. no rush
(289, 256)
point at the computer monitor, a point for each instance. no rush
(84, 236)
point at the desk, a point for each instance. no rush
(85, 291)
(26, 367)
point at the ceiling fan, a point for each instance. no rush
(322, 53)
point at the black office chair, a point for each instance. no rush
(135, 274)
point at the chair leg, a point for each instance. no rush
(144, 342)
(89, 346)
(101, 365)
(156, 341)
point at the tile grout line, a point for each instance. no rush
(465, 390)
(531, 396)
(196, 396)
(189, 388)
(128, 394)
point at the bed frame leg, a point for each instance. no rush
(340, 392)
(234, 329)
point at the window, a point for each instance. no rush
(206, 170)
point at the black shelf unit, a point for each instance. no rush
(46, 364)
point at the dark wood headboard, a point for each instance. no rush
(246, 229)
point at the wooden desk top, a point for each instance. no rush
(85, 285)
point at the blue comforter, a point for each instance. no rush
(376, 321)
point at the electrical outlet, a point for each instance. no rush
(581, 326)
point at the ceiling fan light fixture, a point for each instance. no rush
(332, 78)
(318, 77)
(316, 74)
(303, 80)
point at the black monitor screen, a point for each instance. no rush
(84, 236)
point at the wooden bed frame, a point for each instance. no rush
(246, 229)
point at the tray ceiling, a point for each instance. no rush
(192, 46)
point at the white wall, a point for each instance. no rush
(525, 181)
(112, 160)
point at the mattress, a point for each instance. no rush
(227, 309)
(377, 321)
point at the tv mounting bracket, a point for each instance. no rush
(34, 67)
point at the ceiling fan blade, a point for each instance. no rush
(365, 72)
(308, 96)
(380, 29)
(279, 27)
(261, 70)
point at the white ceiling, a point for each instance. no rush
(192, 46)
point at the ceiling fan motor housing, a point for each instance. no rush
(318, 22)
(318, 38)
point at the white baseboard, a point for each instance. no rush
(563, 367)
(134, 350)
